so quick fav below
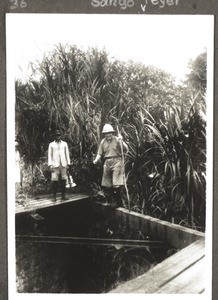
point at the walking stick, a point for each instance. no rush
(123, 166)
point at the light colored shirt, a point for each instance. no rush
(112, 148)
(58, 154)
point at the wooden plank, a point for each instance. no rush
(35, 204)
(151, 281)
(191, 280)
(196, 286)
(175, 235)
(91, 241)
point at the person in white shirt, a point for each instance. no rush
(58, 161)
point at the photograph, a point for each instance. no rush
(109, 155)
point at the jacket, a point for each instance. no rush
(112, 148)
(58, 154)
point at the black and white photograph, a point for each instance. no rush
(109, 155)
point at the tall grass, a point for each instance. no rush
(166, 165)
(162, 123)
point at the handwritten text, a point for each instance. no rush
(18, 4)
(159, 3)
(123, 4)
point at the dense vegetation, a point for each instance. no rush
(163, 124)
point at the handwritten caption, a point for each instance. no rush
(18, 4)
(124, 4)
(159, 3)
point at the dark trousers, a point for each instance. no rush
(55, 188)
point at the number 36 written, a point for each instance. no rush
(18, 4)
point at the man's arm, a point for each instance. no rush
(99, 154)
(97, 159)
(67, 155)
(124, 145)
(50, 155)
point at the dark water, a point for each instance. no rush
(46, 268)
(61, 268)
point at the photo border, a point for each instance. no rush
(84, 6)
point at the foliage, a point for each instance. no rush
(163, 124)
(197, 77)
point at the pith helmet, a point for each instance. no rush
(107, 128)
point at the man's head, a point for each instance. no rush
(57, 135)
(108, 131)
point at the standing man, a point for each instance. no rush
(58, 161)
(113, 169)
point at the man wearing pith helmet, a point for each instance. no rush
(110, 150)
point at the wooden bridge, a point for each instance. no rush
(181, 273)
(45, 201)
